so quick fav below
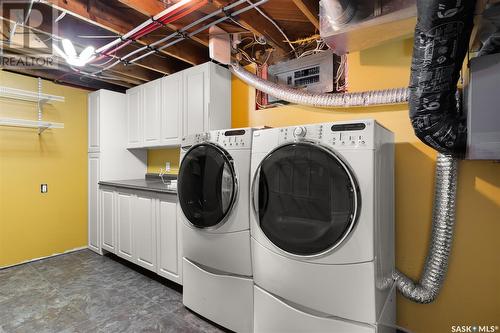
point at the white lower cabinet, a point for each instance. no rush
(108, 220)
(141, 227)
(144, 230)
(168, 239)
(124, 225)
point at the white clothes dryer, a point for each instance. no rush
(323, 227)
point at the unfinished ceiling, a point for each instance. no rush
(97, 22)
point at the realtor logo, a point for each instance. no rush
(28, 29)
(475, 328)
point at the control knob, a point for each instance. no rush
(300, 132)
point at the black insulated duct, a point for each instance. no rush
(441, 42)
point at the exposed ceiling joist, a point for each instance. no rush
(131, 74)
(72, 80)
(151, 8)
(97, 22)
(61, 66)
(310, 10)
(259, 25)
(107, 17)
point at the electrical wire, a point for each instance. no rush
(301, 41)
(277, 27)
(320, 45)
(341, 74)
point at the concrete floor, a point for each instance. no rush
(84, 292)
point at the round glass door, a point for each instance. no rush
(207, 185)
(306, 199)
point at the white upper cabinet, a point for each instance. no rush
(135, 113)
(196, 99)
(192, 101)
(207, 98)
(94, 123)
(152, 113)
(171, 110)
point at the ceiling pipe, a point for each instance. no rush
(222, 19)
(170, 14)
(182, 33)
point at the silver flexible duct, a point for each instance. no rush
(374, 97)
(443, 221)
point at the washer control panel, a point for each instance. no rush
(229, 139)
(339, 135)
(194, 139)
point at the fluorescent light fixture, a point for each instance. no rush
(69, 54)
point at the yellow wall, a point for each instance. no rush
(158, 157)
(32, 224)
(471, 294)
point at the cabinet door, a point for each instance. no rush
(94, 166)
(124, 225)
(144, 231)
(94, 122)
(135, 108)
(167, 238)
(195, 99)
(152, 113)
(171, 110)
(107, 220)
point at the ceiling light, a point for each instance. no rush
(71, 56)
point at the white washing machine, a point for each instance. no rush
(323, 228)
(213, 191)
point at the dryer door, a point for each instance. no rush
(207, 185)
(305, 198)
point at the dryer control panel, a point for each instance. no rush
(349, 135)
(233, 138)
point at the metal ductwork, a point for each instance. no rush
(292, 95)
(354, 25)
(441, 42)
(443, 220)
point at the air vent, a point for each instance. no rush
(354, 25)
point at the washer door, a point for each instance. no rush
(305, 198)
(207, 185)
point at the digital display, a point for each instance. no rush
(235, 133)
(348, 127)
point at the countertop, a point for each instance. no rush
(150, 183)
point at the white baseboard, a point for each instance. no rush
(41, 258)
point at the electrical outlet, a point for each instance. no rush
(44, 188)
(167, 167)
